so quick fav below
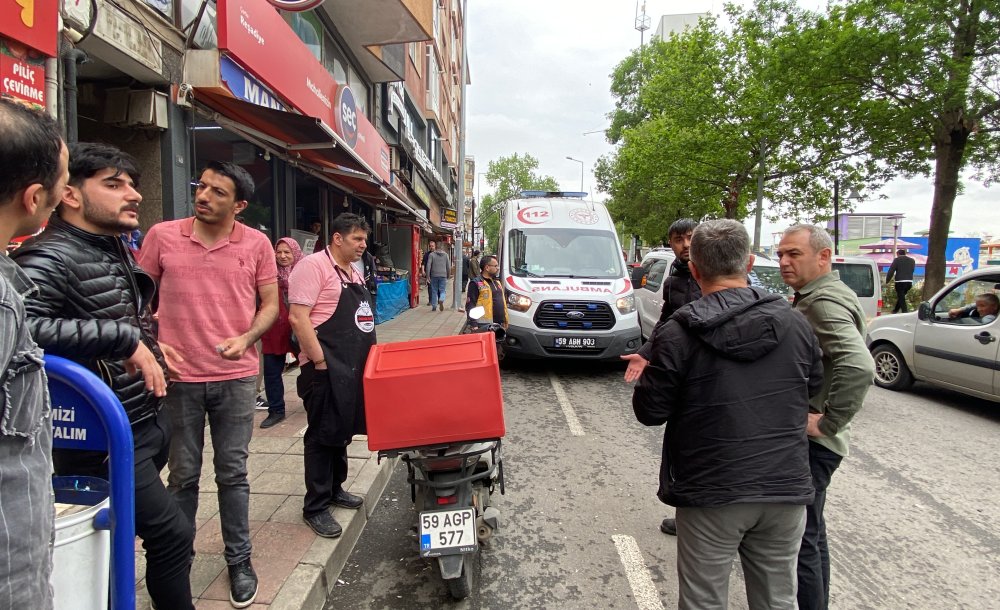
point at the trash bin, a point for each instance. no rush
(81, 554)
(433, 391)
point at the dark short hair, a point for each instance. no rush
(901, 252)
(29, 153)
(991, 298)
(488, 258)
(240, 177)
(681, 226)
(347, 223)
(475, 253)
(88, 158)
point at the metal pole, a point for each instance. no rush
(581, 171)
(461, 162)
(836, 216)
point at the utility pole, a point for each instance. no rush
(461, 164)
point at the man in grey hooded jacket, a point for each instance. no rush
(731, 375)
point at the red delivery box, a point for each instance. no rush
(433, 392)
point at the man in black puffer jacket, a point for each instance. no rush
(731, 375)
(93, 307)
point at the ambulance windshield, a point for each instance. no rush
(566, 253)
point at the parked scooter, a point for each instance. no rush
(451, 487)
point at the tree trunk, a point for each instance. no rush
(949, 153)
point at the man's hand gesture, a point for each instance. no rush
(143, 360)
(636, 365)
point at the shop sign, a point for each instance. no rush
(245, 87)
(32, 22)
(23, 78)
(128, 36)
(449, 218)
(296, 6)
(420, 189)
(257, 37)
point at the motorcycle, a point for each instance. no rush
(451, 487)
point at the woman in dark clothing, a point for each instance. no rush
(277, 341)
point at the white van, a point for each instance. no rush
(861, 275)
(568, 290)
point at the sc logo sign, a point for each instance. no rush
(347, 116)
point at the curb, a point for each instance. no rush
(308, 586)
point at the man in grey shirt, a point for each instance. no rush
(35, 169)
(438, 271)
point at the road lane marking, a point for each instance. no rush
(643, 589)
(574, 424)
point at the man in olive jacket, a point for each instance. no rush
(731, 375)
(836, 317)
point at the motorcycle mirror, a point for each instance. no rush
(477, 312)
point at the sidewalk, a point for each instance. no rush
(295, 568)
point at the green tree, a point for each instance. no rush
(927, 73)
(508, 176)
(705, 118)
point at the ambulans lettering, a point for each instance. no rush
(363, 318)
(589, 289)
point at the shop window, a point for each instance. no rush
(309, 29)
(205, 37)
(166, 7)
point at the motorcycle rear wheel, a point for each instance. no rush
(460, 588)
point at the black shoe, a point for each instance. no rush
(324, 525)
(261, 403)
(346, 500)
(242, 584)
(272, 419)
(669, 527)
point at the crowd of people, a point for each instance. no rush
(757, 395)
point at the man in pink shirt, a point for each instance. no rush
(211, 271)
(331, 314)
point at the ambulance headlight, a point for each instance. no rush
(518, 302)
(626, 304)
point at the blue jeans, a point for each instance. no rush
(814, 555)
(274, 387)
(438, 287)
(229, 407)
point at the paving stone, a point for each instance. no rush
(279, 483)
(268, 444)
(262, 506)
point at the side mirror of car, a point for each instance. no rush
(924, 311)
(638, 276)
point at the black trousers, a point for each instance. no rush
(325, 463)
(167, 536)
(814, 555)
(901, 289)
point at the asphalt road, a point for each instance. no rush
(912, 513)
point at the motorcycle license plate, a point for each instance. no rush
(575, 342)
(447, 532)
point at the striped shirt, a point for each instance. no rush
(26, 502)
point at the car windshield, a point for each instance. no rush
(574, 253)
(768, 278)
(860, 278)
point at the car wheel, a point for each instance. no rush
(891, 371)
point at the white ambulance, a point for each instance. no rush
(568, 290)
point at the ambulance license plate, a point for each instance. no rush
(447, 532)
(575, 342)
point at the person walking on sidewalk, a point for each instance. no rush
(33, 175)
(212, 270)
(902, 269)
(276, 343)
(93, 307)
(431, 247)
(330, 312)
(833, 311)
(439, 272)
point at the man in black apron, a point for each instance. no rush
(330, 382)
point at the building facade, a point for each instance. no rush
(337, 106)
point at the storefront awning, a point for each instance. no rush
(296, 135)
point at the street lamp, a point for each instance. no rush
(480, 202)
(581, 171)
(836, 212)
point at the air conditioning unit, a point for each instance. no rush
(148, 108)
(393, 158)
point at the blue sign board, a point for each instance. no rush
(246, 87)
(961, 254)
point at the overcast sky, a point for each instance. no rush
(540, 80)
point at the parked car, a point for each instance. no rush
(861, 275)
(655, 267)
(935, 345)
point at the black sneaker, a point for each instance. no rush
(261, 404)
(346, 500)
(272, 419)
(242, 584)
(669, 527)
(324, 525)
